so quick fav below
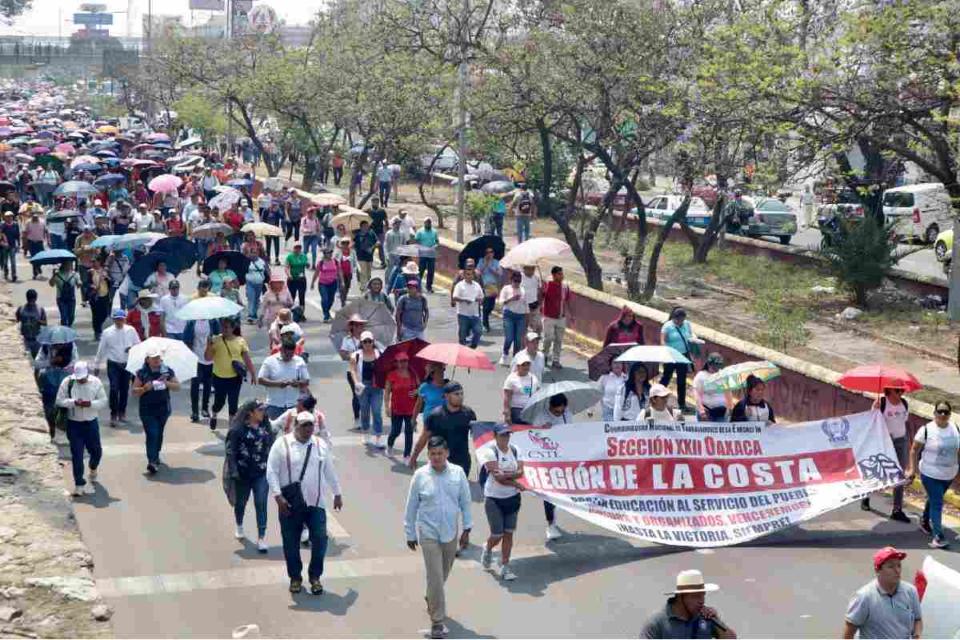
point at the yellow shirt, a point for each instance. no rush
(224, 353)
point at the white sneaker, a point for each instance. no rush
(504, 361)
(92, 474)
(378, 442)
(506, 574)
(88, 489)
(77, 491)
(406, 460)
(238, 532)
(486, 558)
(305, 535)
(364, 438)
(391, 451)
(553, 532)
(262, 545)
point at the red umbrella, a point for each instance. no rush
(385, 363)
(874, 378)
(456, 355)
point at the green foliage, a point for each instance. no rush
(12, 8)
(196, 111)
(102, 106)
(479, 204)
(862, 258)
(783, 323)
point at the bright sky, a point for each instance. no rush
(46, 15)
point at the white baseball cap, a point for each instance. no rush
(80, 370)
(305, 416)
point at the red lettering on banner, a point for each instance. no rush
(680, 476)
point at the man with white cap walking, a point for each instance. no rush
(82, 395)
(685, 614)
(885, 607)
(115, 342)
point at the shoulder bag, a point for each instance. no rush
(293, 492)
(238, 366)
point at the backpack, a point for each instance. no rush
(62, 413)
(525, 204)
(883, 404)
(483, 473)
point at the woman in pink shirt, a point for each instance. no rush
(327, 276)
(310, 232)
(277, 297)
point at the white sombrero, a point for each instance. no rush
(691, 581)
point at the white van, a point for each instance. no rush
(918, 211)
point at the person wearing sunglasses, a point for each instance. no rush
(935, 453)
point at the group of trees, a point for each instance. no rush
(570, 87)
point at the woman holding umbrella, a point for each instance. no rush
(678, 334)
(634, 395)
(153, 384)
(66, 281)
(711, 405)
(231, 360)
(221, 275)
(611, 383)
(326, 279)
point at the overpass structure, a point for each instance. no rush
(23, 56)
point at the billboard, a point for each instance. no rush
(206, 5)
(93, 19)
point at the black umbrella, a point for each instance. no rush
(600, 363)
(5, 186)
(236, 262)
(143, 266)
(181, 250)
(60, 216)
(477, 247)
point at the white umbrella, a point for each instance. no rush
(532, 251)
(262, 229)
(176, 355)
(652, 353)
(225, 199)
(209, 308)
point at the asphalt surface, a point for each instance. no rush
(921, 259)
(166, 559)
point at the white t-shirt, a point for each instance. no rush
(469, 291)
(170, 306)
(531, 287)
(159, 284)
(548, 419)
(537, 363)
(895, 415)
(666, 416)
(628, 406)
(519, 305)
(940, 445)
(710, 400)
(522, 387)
(506, 461)
(201, 331)
(274, 368)
(611, 384)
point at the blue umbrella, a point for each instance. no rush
(105, 153)
(75, 188)
(86, 166)
(110, 179)
(145, 265)
(240, 182)
(104, 242)
(179, 249)
(57, 335)
(112, 162)
(52, 256)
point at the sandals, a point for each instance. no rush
(296, 585)
(316, 588)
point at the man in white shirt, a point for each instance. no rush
(170, 304)
(300, 456)
(407, 224)
(532, 290)
(285, 376)
(538, 361)
(468, 294)
(82, 395)
(115, 343)
(439, 498)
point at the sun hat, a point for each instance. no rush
(522, 358)
(146, 293)
(659, 391)
(411, 269)
(357, 319)
(691, 581)
(155, 353)
(887, 553)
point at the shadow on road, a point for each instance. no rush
(328, 602)
(101, 499)
(457, 630)
(902, 536)
(181, 475)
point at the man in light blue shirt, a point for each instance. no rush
(428, 240)
(439, 496)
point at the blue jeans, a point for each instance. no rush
(310, 245)
(235, 240)
(315, 520)
(523, 228)
(253, 299)
(83, 436)
(201, 250)
(514, 326)
(468, 326)
(68, 310)
(496, 222)
(328, 294)
(57, 242)
(260, 490)
(371, 400)
(384, 193)
(153, 425)
(933, 509)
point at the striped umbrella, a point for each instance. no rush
(735, 376)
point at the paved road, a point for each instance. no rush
(167, 561)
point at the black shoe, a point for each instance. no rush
(213, 424)
(205, 413)
(194, 418)
(316, 588)
(900, 516)
(925, 527)
(296, 585)
(865, 504)
(437, 631)
(151, 469)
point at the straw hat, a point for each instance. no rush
(691, 581)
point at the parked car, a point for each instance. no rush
(662, 207)
(767, 217)
(918, 211)
(943, 249)
(845, 204)
(706, 192)
(448, 160)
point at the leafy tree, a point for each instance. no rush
(13, 8)
(863, 259)
(197, 112)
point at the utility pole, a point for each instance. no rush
(953, 294)
(462, 35)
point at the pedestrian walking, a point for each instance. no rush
(99, 284)
(159, 281)
(533, 290)
(430, 391)
(115, 343)
(887, 606)
(82, 396)
(677, 333)
(427, 240)
(686, 614)
(296, 268)
(753, 407)
(491, 273)
(326, 279)
(468, 294)
(254, 282)
(32, 318)
(393, 240)
(350, 344)
(146, 318)
(896, 411)
(378, 224)
(501, 497)
(364, 243)
(712, 406)
(248, 445)
(310, 234)
(513, 302)
(302, 499)
(195, 336)
(66, 282)
(437, 503)
(347, 265)
(412, 313)
(384, 181)
(935, 454)
(375, 293)
(35, 234)
(10, 229)
(518, 388)
(170, 305)
(611, 383)
(286, 377)
(524, 208)
(556, 298)
(231, 360)
(370, 397)
(153, 384)
(808, 203)
(625, 329)
(634, 394)
(400, 399)
(276, 298)
(48, 382)
(451, 421)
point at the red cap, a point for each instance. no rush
(885, 554)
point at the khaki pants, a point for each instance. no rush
(364, 277)
(438, 558)
(553, 329)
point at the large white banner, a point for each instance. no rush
(705, 484)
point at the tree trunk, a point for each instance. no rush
(582, 249)
(309, 173)
(710, 236)
(422, 182)
(546, 204)
(680, 214)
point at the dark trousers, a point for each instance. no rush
(226, 391)
(337, 175)
(315, 520)
(119, 387)
(291, 229)
(549, 511)
(298, 287)
(35, 247)
(345, 288)
(203, 379)
(99, 310)
(429, 265)
(10, 262)
(681, 370)
(273, 241)
(260, 490)
(406, 424)
(489, 302)
(356, 400)
(84, 273)
(84, 436)
(328, 294)
(154, 421)
(384, 193)
(68, 310)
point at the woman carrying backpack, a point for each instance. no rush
(935, 451)
(501, 500)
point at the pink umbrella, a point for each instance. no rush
(65, 147)
(166, 183)
(84, 160)
(39, 151)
